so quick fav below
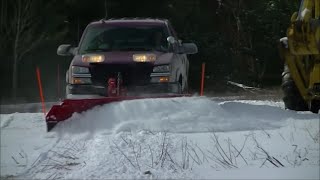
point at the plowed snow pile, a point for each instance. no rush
(178, 138)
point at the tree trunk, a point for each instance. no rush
(15, 69)
(14, 79)
(15, 63)
(15, 54)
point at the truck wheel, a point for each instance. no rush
(184, 90)
(292, 98)
(315, 106)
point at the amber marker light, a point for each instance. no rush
(164, 79)
(144, 57)
(92, 58)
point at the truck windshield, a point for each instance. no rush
(119, 38)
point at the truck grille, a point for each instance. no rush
(132, 74)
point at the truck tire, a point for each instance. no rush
(184, 90)
(315, 106)
(292, 98)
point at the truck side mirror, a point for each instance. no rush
(171, 40)
(189, 48)
(66, 50)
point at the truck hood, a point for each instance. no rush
(117, 57)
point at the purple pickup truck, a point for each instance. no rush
(127, 56)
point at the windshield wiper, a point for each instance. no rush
(135, 49)
(161, 50)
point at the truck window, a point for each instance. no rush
(122, 38)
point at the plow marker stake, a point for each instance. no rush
(40, 91)
(202, 78)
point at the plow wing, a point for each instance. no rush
(65, 110)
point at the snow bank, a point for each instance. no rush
(187, 114)
(165, 138)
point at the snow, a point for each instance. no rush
(178, 115)
(272, 173)
(284, 41)
(189, 137)
(304, 13)
(241, 85)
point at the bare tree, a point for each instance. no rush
(21, 29)
(245, 63)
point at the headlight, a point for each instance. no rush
(92, 58)
(80, 70)
(144, 57)
(81, 81)
(164, 68)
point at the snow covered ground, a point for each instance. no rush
(190, 137)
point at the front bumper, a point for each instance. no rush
(85, 89)
(148, 89)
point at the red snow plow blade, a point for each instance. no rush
(65, 110)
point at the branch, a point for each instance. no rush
(124, 155)
(242, 86)
(29, 48)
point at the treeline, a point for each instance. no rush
(236, 38)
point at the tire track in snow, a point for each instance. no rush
(6, 122)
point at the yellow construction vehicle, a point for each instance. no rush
(300, 51)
